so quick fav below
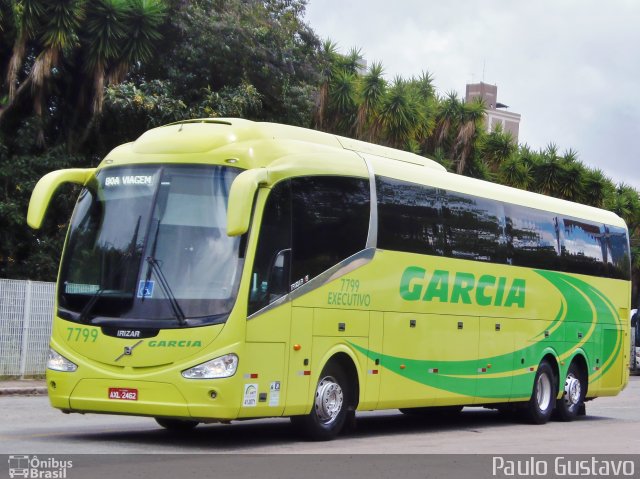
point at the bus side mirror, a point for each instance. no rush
(278, 280)
(46, 188)
(243, 190)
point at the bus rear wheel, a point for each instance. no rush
(331, 404)
(568, 408)
(176, 424)
(543, 397)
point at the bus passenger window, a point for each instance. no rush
(582, 250)
(409, 217)
(618, 258)
(533, 238)
(474, 228)
(330, 222)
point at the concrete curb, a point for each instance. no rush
(23, 388)
(24, 391)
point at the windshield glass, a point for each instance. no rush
(150, 243)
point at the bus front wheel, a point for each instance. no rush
(543, 397)
(330, 409)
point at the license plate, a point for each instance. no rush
(125, 394)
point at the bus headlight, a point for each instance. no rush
(222, 367)
(58, 362)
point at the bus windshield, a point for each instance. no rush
(148, 244)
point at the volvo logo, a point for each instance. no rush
(128, 350)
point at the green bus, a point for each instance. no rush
(222, 269)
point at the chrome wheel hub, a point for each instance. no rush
(543, 392)
(329, 400)
(572, 390)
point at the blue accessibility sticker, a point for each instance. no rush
(145, 289)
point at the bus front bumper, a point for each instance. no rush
(199, 400)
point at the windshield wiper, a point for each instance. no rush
(164, 284)
(82, 316)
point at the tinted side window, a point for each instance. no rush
(474, 228)
(533, 238)
(330, 222)
(618, 257)
(273, 243)
(582, 250)
(408, 217)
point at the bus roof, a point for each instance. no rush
(247, 144)
(252, 144)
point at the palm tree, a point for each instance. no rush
(104, 35)
(329, 57)
(29, 14)
(352, 62)
(625, 202)
(117, 33)
(515, 172)
(424, 91)
(400, 115)
(59, 33)
(112, 34)
(496, 147)
(472, 116)
(596, 188)
(570, 184)
(52, 27)
(4, 7)
(448, 114)
(342, 101)
(548, 174)
(371, 92)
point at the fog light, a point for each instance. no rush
(213, 394)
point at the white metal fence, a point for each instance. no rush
(26, 313)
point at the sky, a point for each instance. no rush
(571, 68)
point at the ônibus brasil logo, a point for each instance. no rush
(38, 468)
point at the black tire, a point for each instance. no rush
(575, 388)
(332, 405)
(435, 412)
(539, 408)
(176, 424)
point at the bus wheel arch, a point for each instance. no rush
(573, 390)
(334, 401)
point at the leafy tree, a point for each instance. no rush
(83, 76)
(212, 44)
